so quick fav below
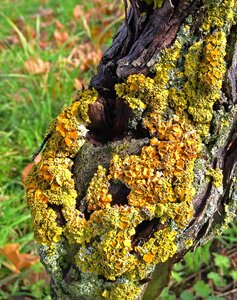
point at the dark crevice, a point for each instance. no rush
(60, 220)
(199, 202)
(109, 120)
(119, 192)
(95, 239)
(66, 276)
(230, 155)
(145, 230)
(105, 279)
(231, 42)
(82, 207)
(219, 215)
(223, 102)
(141, 132)
(145, 280)
(202, 231)
(175, 2)
(88, 214)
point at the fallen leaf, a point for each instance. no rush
(37, 66)
(44, 45)
(77, 12)
(86, 56)
(43, 13)
(33, 278)
(18, 260)
(60, 37)
(59, 25)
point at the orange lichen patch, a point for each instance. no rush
(213, 64)
(97, 193)
(157, 249)
(163, 172)
(148, 258)
(70, 132)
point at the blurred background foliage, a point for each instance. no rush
(48, 50)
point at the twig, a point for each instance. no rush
(228, 293)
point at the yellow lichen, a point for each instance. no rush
(50, 181)
(84, 99)
(112, 247)
(159, 248)
(216, 175)
(219, 15)
(212, 66)
(204, 68)
(136, 86)
(97, 194)
(127, 290)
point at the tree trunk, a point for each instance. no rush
(141, 168)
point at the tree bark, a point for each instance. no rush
(142, 167)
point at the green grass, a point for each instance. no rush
(28, 104)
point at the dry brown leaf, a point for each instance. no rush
(37, 66)
(77, 12)
(60, 36)
(33, 278)
(42, 12)
(86, 55)
(44, 45)
(59, 25)
(18, 260)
